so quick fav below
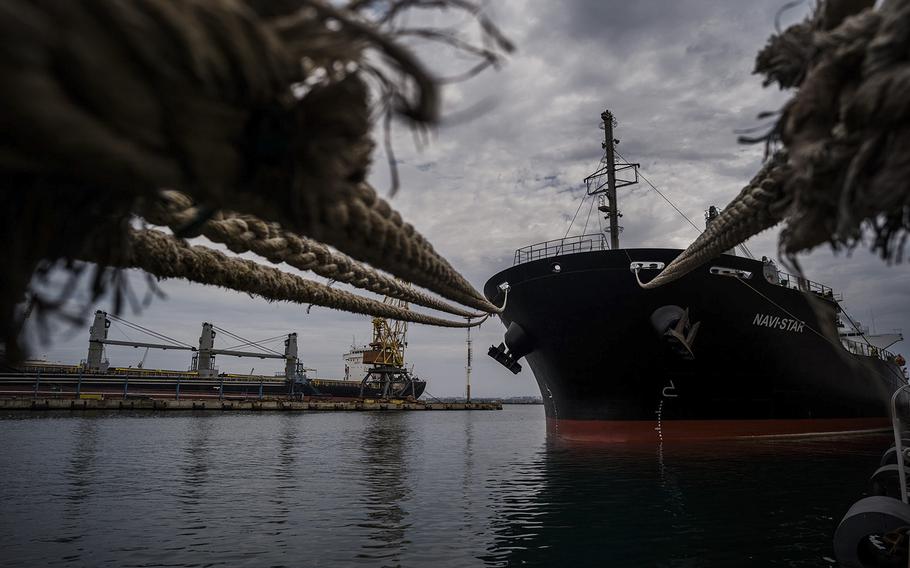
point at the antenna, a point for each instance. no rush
(617, 175)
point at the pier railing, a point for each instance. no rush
(558, 247)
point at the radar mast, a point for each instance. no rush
(610, 176)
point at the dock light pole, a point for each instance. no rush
(468, 367)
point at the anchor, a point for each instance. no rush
(673, 324)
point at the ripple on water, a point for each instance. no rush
(447, 489)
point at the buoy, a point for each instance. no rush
(869, 534)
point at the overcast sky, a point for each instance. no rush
(677, 75)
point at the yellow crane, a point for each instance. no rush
(386, 358)
(389, 338)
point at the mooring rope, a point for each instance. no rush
(246, 233)
(367, 228)
(166, 256)
(751, 212)
(257, 107)
(845, 135)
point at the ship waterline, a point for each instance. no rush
(649, 431)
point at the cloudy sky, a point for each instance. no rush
(677, 75)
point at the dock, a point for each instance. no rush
(272, 405)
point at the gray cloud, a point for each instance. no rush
(678, 77)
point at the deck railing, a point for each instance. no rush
(557, 247)
(867, 350)
(804, 284)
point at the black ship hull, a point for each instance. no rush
(157, 384)
(763, 360)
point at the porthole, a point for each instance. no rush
(556, 267)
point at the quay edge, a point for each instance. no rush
(151, 404)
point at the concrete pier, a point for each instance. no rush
(97, 403)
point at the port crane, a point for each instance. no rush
(390, 338)
(386, 356)
(203, 354)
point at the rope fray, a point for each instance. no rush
(264, 108)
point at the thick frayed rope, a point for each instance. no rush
(845, 135)
(750, 213)
(260, 107)
(166, 256)
(245, 233)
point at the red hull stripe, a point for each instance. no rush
(648, 430)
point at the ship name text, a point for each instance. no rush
(777, 322)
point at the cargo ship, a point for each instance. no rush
(95, 377)
(737, 348)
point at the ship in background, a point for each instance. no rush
(381, 375)
(735, 348)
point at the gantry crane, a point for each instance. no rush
(390, 337)
(386, 356)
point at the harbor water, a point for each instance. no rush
(408, 489)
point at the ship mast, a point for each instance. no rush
(610, 176)
(612, 208)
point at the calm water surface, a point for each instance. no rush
(408, 489)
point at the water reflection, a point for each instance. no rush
(451, 489)
(80, 475)
(468, 481)
(80, 471)
(285, 481)
(386, 475)
(743, 504)
(194, 467)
